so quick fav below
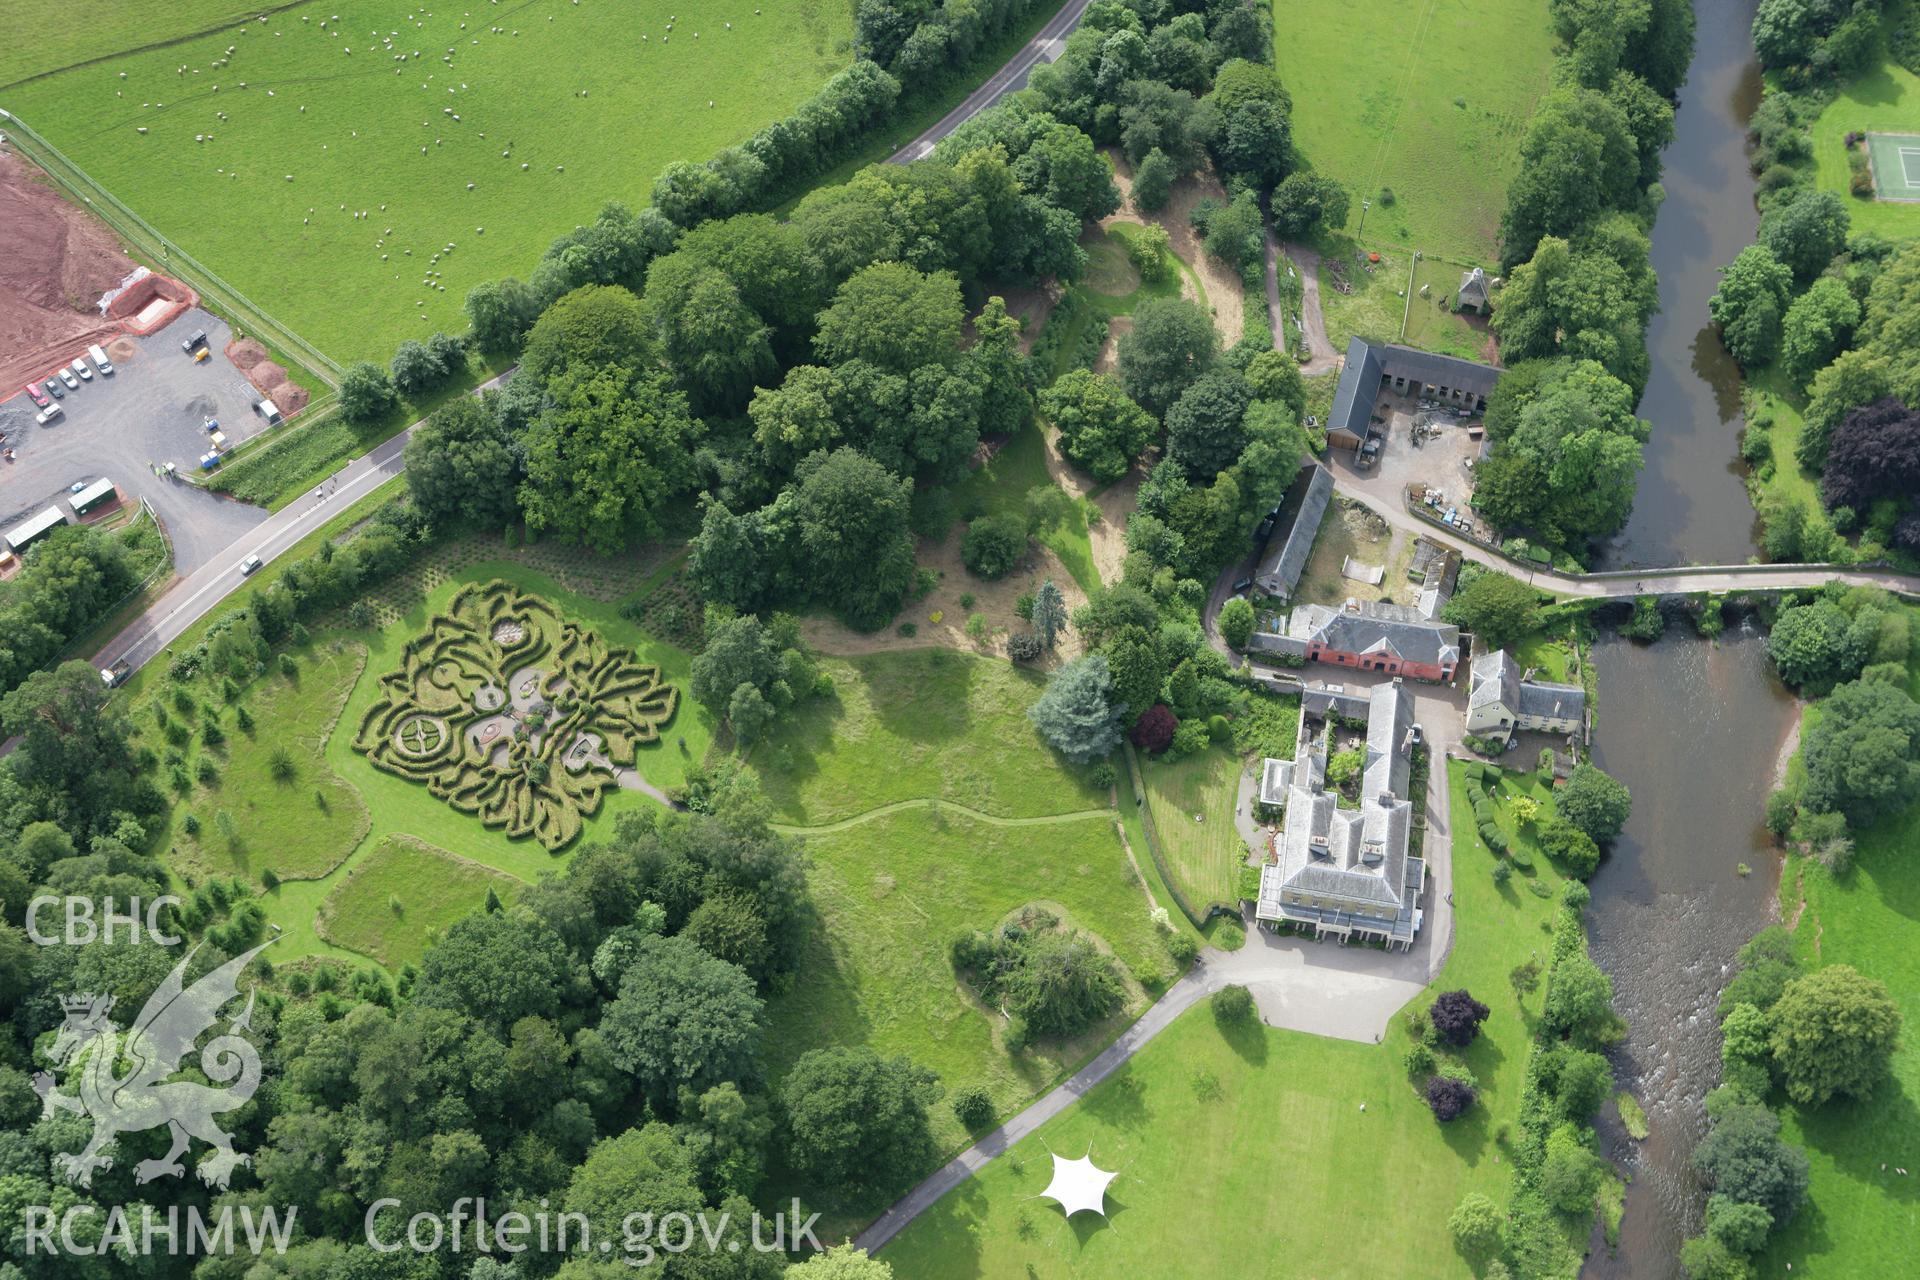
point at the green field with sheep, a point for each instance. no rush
(355, 166)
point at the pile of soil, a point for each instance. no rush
(150, 303)
(271, 379)
(55, 262)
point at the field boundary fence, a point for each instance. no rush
(239, 308)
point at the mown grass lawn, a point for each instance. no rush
(1429, 99)
(431, 887)
(894, 891)
(1192, 802)
(1884, 100)
(1252, 1146)
(919, 724)
(318, 135)
(1550, 652)
(1860, 1218)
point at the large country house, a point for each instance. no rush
(1346, 872)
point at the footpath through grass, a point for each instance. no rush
(357, 177)
(893, 892)
(1251, 1144)
(1428, 99)
(1861, 1216)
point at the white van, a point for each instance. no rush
(82, 368)
(99, 358)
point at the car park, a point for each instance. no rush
(55, 390)
(39, 397)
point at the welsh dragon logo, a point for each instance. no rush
(91, 1048)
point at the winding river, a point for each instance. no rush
(1696, 731)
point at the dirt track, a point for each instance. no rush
(55, 262)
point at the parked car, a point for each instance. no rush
(77, 486)
(248, 566)
(84, 369)
(66, 376)
(48, 414)
(1243, 584)
(55, 390)
(1415, 736)
(38, 396)
(194, 340)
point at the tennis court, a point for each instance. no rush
(1895, 160)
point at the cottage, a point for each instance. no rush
(1348, 872)
(1501, 701)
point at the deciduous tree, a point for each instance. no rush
(1101, 429)
(1833, 1034)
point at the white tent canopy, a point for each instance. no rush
(1078, 1184)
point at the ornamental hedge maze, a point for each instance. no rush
(506, 710)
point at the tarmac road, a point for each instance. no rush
(1047, 46)
(194, 596)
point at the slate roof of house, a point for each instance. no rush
(1359, 384)
(1473, 288)
(1319, 703)
(1280, 573)
(1375, 627)
(1368, 362)
(1552, 701)
(1496, 680)
(1276, 778)
(1357, 857)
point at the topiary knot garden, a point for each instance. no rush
(506, 710)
